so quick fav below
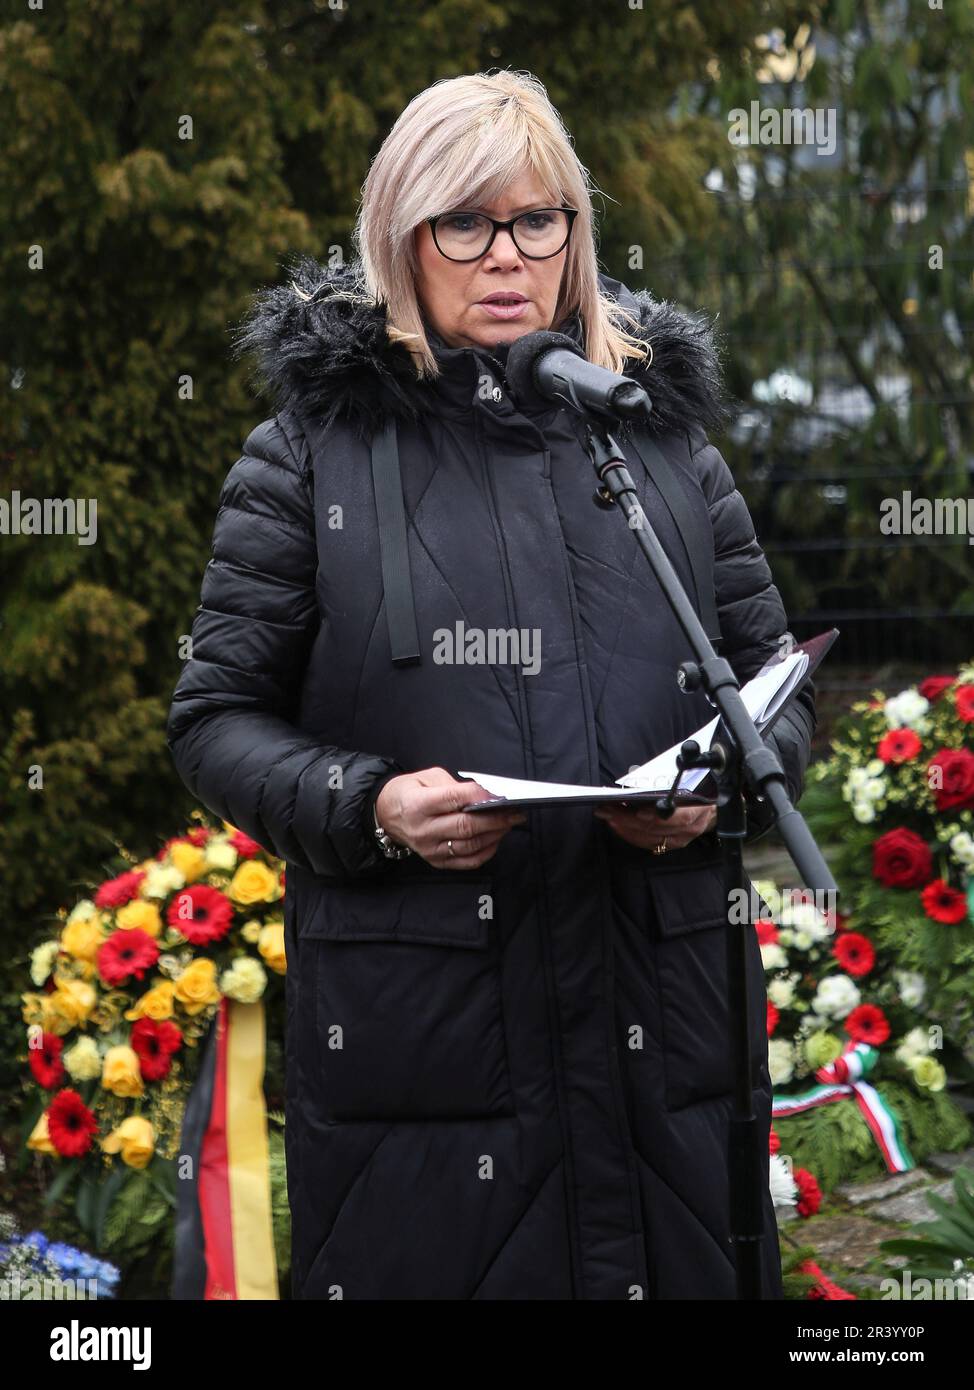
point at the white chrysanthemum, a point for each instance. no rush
(835, 997)
(784, 1189)
(245, 981)
(773, 957)
(912, 988)
(768, 890)
(857, 778)
(82, 911)
(806, 917)
(864, 812)
(904, 710)
(802, 940)
(161, 880)
(83, 1060)
(781, 991)
(781, 1061)
(42, 960)
(220, 854)
(962, 847)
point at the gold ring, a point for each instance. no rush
(660, 848)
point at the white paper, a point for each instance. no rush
(763, 696)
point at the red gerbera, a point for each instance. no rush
(964, 703)
(867, 1024)
(127, 954)
(854, 953)
(244, 845)
(71, 1126)
(114, 892)
(774, 1142)
(899, 746)
(202, 914)
(823, 1287)
(45, 1061)
(809, 1192)
(934, 686)
(154, 1043)
(943, 903)
(773, 1017)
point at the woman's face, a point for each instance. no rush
(451, 293)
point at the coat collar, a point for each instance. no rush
(327, 355)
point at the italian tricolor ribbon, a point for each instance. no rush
(843, 1079)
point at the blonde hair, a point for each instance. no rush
(465, 140)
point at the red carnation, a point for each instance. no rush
(114, 892)
(867, 1024)
(809, 1192)
(934, 686)
(901, 859)
(244, 845)
(956, 789)
(767, 932)
(203, 915)
(45, 1062)
(199, 835)
(964, 702)
(854, 953)
(127, 954)
(154, 1044)
(773, 1017)
(823, 1287)
(943, 903)
(71, 1126)
(899, 746)
(774, 1142)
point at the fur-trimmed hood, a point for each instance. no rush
(327, 356)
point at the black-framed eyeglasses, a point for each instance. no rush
(538, 235)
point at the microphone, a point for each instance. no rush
(546, 367)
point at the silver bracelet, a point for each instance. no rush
(388, 846)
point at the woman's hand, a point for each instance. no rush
(424, 810)
(642, 827)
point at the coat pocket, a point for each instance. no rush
(403, 1013)
(690, 909)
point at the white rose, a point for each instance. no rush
(912, 988)
(82, 911)
(902, 711)
(773, 957)
(915, 1044)
(781, 1061)
(835, 997)
(220, 854)
(781, 992)
(161, 880)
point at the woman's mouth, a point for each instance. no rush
(505, 306)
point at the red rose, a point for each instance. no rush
(767, 932)
(823, 1287)
(867, 1024)
(114, 892)
(854, 953)
(964, 702)
(45, 1062)
(127, 953)
(956, 789)
(70, 1124)
(203, 915)
(934, 686)
(199, 835)
(943, 903)
(773, 1017)
(899, 746)
(774, 1142)
(809, 1192)
(154, 1044)
(901, 859)
(244, 845)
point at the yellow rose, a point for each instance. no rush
(188, 859)
(245, 981)
(82, 937)
(254, 883)
(928, 1073)
(250, 931)
(136, 1140)
(141, 914)
(156, 1003)
(40, 1139)
(270, 944)
(38, 1008)
(196, 987)
(71, 1003)
(120, 1072)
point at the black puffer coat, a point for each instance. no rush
(509, 1083)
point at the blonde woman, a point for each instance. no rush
(507, 1069)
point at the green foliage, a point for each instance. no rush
(795, 1284)
(834, 1141)
(280, 1210)
(945, 1246)
(140, 1213)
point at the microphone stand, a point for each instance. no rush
(736, 755)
